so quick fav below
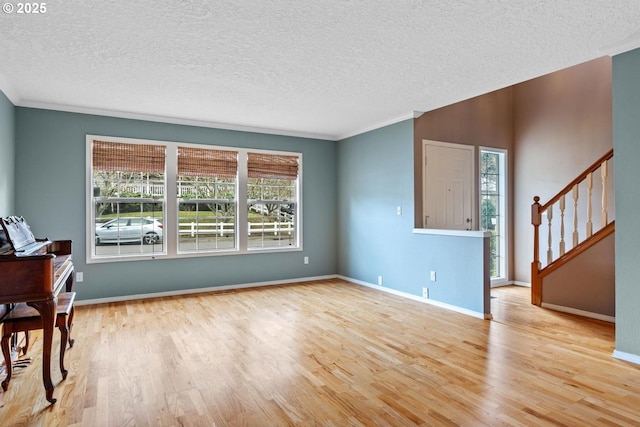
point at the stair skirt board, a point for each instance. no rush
(577, 312)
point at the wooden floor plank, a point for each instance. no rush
(328, 353)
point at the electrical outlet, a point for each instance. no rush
(79, 276)
(433, 276)
(399, 210)
(425, 293)
(379, 280)
(306, 260)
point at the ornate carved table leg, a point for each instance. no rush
(7, 359)
(47, 310)
(64, 337)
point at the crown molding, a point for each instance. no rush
(378, 126)
(170, 120)
(8, 90)
(13, 96)
(626, 45)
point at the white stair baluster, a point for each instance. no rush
(562, 206)
(575, 215)
(604, 215)
(549, 250)
(589, 181)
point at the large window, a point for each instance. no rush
(154, 199)
(128, 198)
(271, 199)
(206, 192)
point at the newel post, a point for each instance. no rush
(536, 220)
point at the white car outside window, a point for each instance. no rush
(127, 230)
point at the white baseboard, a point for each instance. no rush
(420, 299)
(627, 357)
(519, 283)
(510, 283)
(579, 312)
(201, 290)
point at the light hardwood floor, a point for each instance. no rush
(328, 353)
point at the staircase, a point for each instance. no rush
(595, 183)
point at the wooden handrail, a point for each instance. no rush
(536, 219)
(580, 177)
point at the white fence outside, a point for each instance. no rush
(156, 188)
(221, 228)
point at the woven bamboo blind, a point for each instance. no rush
(207, 162)
(272, 166)
(123, 157)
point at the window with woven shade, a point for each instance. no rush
(128, 184)
(206, 191)
(272, 194)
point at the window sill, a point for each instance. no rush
(157, 256)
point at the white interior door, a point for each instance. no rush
(448, 184)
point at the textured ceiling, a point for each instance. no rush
(323, 68)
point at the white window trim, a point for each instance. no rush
(171, 205)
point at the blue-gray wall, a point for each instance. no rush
(50, 192)
(7, 159)
(626, 145)
(375, 176)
